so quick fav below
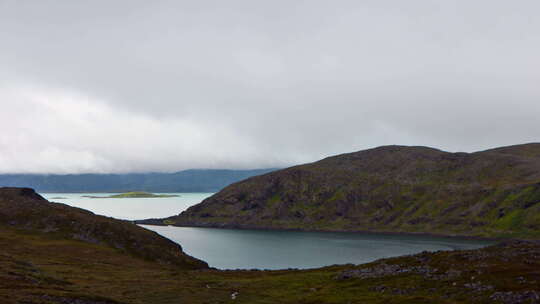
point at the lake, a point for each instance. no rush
(246, 249)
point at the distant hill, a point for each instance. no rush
(196, 180)
(494, 193)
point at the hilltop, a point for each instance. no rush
(400, 189)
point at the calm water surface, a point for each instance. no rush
(129, 208)
(232, 249)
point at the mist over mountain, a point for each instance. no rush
(195, 180)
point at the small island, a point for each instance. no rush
(138, 194)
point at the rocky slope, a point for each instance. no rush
(35, 269)
(493, 193)
(24, 209)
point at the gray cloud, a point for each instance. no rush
(122, 86)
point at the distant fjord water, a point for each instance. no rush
(247, 249)
(129, 208)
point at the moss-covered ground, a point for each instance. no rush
(40, 268)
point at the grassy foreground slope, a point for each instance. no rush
(494, 193)
(41, 263)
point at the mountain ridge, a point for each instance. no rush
(401, 189)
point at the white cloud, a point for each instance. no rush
(164, 86)
(63, 131)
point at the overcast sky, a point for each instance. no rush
(133, 86)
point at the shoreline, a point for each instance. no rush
(367, 232)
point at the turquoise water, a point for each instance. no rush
(129, 208)
(246, 249)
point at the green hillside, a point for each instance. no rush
(494, 193)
